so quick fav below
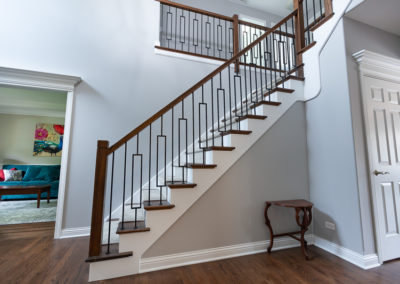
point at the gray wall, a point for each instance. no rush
(231, 211)
(332, 166)
(110, 44)
(360, 36)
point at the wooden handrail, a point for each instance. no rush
(254, 25)
(195, 10)
(157, 115)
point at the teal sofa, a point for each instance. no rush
(35, 175)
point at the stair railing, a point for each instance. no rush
(158, 152)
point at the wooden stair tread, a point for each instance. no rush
(114, 254)
(240, 132)
(297, 78)
(201, 166)
(132, 227)
(157, 205)
(268, 103)
(278, 89)
(180, 184)
(219, 148)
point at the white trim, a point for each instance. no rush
(364, 261)
(194, 58)
(378, 66)
(74, 232)
(206, 255)
(30, 111)
(49, 81)
(35, 79)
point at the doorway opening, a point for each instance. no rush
(31, 146)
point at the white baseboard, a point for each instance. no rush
(363, 261)
(75, 232)
(199, 256)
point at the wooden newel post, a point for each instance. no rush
(328, 7)
(236, 35)
(98, 199)
(300, 34)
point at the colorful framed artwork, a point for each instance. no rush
(48, 140)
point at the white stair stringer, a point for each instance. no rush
(160, 221)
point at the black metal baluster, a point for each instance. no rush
(212, 109)
(169, 16)
(193, 116)
(149, 162)
(251, 85)
(315, 18)
(245, 89)
(294, 46)
(189, 33)
(287, 47)
(281, 53)
(123, 192)
(230, 95)
(110, 211)
(201, 27)
(172, 146)
(213, 29)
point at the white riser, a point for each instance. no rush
(159, 221)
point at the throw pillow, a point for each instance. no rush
(31, 173)
(12, 175)
(1, 175)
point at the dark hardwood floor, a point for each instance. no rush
(29, 254)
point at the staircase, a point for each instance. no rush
(149, 178)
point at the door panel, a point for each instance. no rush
(382, 112)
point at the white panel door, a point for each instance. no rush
(382, 102)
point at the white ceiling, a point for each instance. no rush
(382, 14)
(23, 101)
(277, 7)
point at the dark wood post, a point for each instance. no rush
(236, 35)
(300, 35)
(98, 198)
(328, 7)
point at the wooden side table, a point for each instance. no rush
(299, 205)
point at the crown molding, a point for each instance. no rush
(35, 79)
(378, 66)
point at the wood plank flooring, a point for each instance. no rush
(32, 256)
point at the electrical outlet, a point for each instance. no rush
(330, 225)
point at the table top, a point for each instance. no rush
(291, 203)
(16, 187)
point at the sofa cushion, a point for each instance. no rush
(48, 174)
(1, 175)
(31, 173)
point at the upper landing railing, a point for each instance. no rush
(192, 31)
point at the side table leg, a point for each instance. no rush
(304, 227)
(268, 223)
(48, 196)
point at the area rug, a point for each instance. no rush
(17, 212)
